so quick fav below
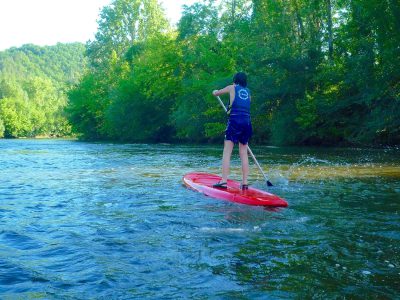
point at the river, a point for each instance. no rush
(102, 220)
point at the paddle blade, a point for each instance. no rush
(269, 183)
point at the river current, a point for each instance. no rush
(113, 221)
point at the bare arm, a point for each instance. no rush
(229, 89)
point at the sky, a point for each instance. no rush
(47, 22)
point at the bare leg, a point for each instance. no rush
(245, 162)
(226, 159)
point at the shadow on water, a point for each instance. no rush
(92, 220)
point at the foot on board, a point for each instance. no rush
(221, 185)
(244, 187)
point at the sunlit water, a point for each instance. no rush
(113, 221)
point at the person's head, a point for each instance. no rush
(240, 78)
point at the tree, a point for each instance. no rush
(122, 24)
(321, 72)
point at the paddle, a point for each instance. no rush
(248, 148)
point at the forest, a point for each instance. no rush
(321, 72)
(33, 85)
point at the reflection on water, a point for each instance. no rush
(96, 220)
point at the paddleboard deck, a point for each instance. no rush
(203, 183)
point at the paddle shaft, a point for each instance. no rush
(248, 149)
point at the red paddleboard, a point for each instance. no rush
(203, 183)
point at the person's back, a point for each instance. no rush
(240, 109)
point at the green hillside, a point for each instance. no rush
(33, 82)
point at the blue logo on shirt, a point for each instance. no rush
(243, 94)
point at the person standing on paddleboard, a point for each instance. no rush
(238, 129)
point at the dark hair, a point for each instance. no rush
(240, 78)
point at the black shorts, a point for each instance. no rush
(238, 131)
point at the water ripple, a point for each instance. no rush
(93, 221)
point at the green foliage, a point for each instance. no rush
(198, 19)
(33, 81)
(321, 72)
(122, 24)
(2, 128)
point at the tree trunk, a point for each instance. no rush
(330, 34)
(300, 26)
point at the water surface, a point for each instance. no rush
(97, 220)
